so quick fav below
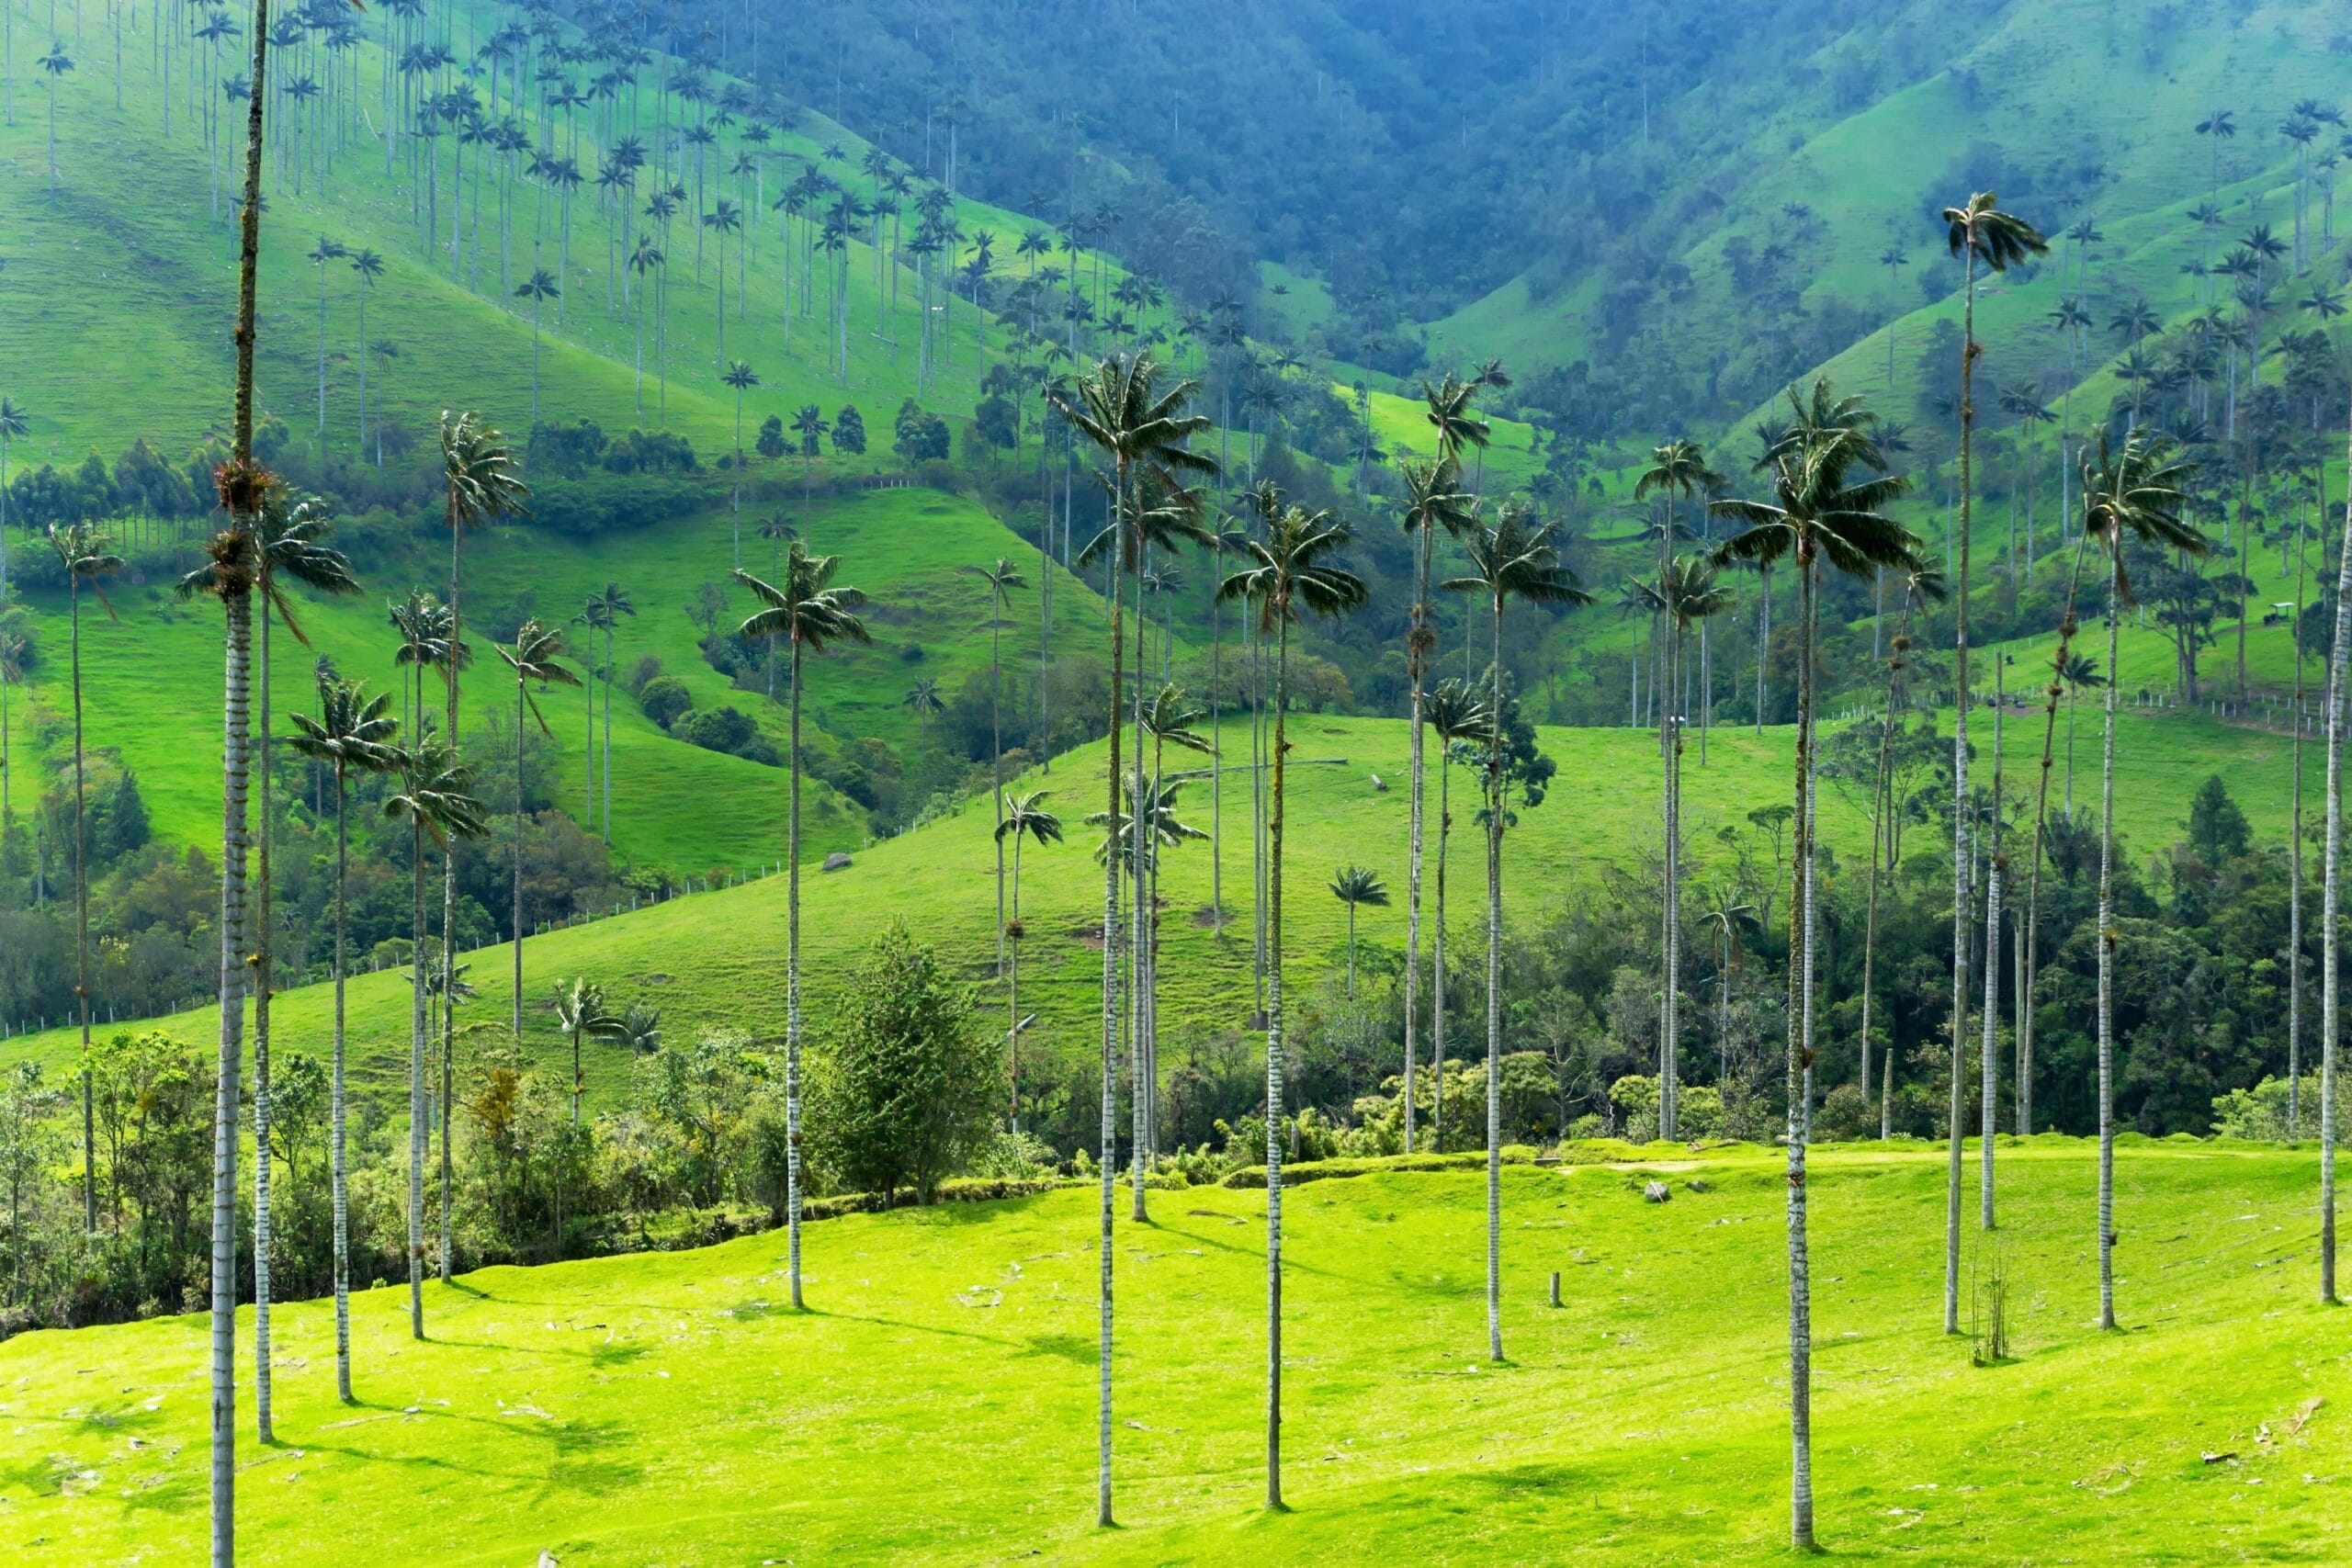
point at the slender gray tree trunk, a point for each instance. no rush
(1418, 640)
(792, 991)
(1960, 849)
(2107, 941)
(1800, 1048)
(336, 1145)
(1495, 1004)
(2330, 1017)
(1274, 1080)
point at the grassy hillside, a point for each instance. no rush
(132, 260)
(937, 1402)
(152, 676)
(1871, 158)
(715, 960)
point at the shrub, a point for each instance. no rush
(906, 1081)
(663, 698)
(726, 729)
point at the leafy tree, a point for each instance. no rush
(770, 442)
(849, 431)
(906, 1082)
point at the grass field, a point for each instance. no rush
(715, 960)
(936, 1403)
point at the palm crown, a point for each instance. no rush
(533, 657)
(805, 609)
(1294, 569)
(352, 732)
(2139, 490)
(1979, 227)
(1819, 507)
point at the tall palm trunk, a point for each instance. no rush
(2107, 943)
(1670, 968)
(416, 1111)
(996, 760)
(1495, 1002)
(609, 729)
(264, 946)
(1882, 848)
(242, 495)
(449, 898)
(1012, 997)
(1437, 963)
(1800, 1028)
(1419, 638)
(1275, 1073)
(2025, 980)
(2295, 872)
(2331, 900)
(1109, 1166)
(341, 1167)
(1139, 931)
(1959, 853)
(1989, 1056)
(792, 988)
(82, 927)
(514, 924)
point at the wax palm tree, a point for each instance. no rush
(612, 603)
(230, 576)
(1022, 817)
(56, 64)
(1220, 536)
(434, 798)
(1685, 593)
(591, 617)
(292, 550)
(14, 423)
(327, 250)
(12, 674)
(809, 423)
(581, 1013)
(1001, 580)
(539, 287)
(1514, 557)
(81, 551)
(352, 732)
(1458, 715)
(642, 261)
(480, 481)
(1921, 584)
(1821, 508)
(1434, 499)
(1976, 231)
(2140, 492)
(1294, 568)
(1679, 467)
(1169, 718)
(1123, 407)
(1355, 887)
(809, 614)
(367, 266)
(533, 657)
